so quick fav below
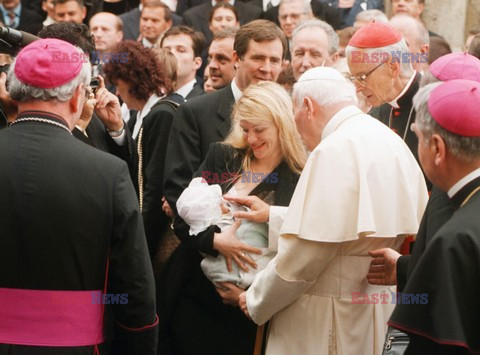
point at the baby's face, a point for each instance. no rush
(224, 208)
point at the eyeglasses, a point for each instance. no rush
(361, 79)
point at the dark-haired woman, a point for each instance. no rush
(142, 83)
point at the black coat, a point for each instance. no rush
(189, 303)
(198, 123)
(438, 211)
(66, 207)
(152, 152)
(448, 273)
(197, 17)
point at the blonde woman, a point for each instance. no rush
(262, 156)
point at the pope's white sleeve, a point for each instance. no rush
(275, 221)
(293, 271)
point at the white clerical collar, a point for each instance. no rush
(339, 118)
(237, 93)
(152, 100)
(266, 2)
(231, 2)
(462, 182)
(394, 102)
(185, 89)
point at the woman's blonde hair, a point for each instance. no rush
(169, 62)
(268, 102)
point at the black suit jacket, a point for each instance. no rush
(30, 21)
(320, 10)
(98, 137)
(198, 123)
(197, 17)
(65, 208)
(196, 91)
(131, 23)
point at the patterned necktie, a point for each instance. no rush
(11, 15)
(269, 5)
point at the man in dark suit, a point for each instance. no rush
(447, 271)
(197, 17)
(187, 46)
(320, 10)
(20, 17)
(72, 235)
(131, 22)
(259, 49)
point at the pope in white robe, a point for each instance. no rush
(361, 190)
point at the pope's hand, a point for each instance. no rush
(259, 210)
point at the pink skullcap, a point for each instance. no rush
(48, 63)
(375, 35)
(456, 66)
(454, 106)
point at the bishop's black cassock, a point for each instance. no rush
(448, 272)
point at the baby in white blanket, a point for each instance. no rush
(200, 206)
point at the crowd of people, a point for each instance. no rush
(263, 177)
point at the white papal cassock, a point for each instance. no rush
(361, 190)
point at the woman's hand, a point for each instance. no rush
(108, 107)
(229, 293)
(260, 211)
(242, 303)
(227, 244)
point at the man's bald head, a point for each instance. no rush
(415, 34)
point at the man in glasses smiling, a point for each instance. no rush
(381, 69)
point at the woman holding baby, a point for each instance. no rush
(263, 156)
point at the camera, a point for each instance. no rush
(94, 84)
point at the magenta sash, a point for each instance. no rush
(50, 318)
